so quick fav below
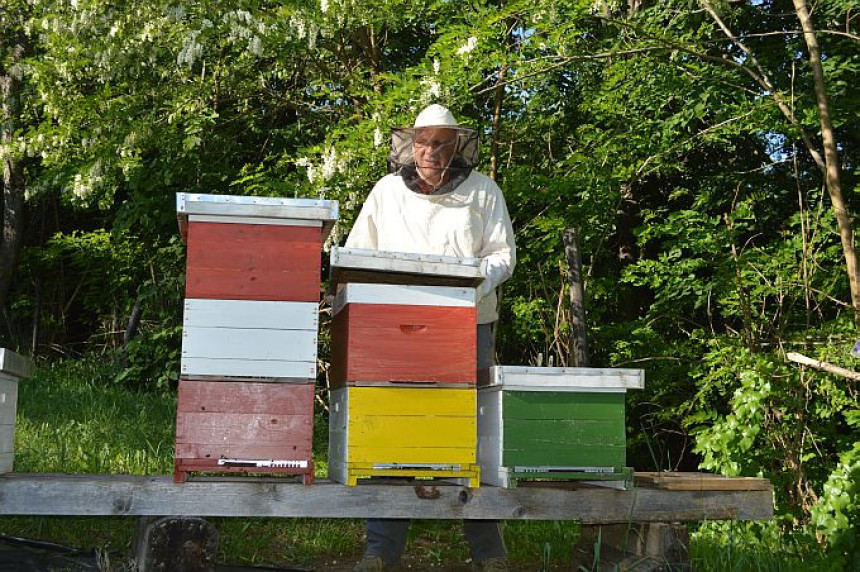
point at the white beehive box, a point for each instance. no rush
(249, 338)
(12, 368)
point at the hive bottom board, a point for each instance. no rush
(244, 427)
(611, 477)
(402, 432)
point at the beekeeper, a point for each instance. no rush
(433, 202)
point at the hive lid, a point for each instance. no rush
(403, 295)
(385, 267)
(528, 378)
(14, 364)
(273, 208)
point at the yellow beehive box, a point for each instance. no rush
(403, 431)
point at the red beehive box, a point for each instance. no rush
(387, 333)
(253, 248)
(225, 426)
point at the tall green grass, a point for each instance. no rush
(72, 418)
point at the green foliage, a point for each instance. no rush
(837, 514)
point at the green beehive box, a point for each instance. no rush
(554, 423)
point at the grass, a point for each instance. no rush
(72, 418)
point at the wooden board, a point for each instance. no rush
(350, 473)
(125, 495)
(233, 207)
(14, 365)
(528, 378)
(8, 412)
(701, 482)
(416, 426)
(240, 420)
(403, 295)
(243, 397)
(253, 262)
(383, 267)
(562, 431)
(242, 338)
(8, 401)
(249, 344)
(272, 370)
(203, 313)
(381, 343)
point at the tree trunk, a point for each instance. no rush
(13, 174)
(130, 332)
(498, 103)
(831, 158)
(578, 331)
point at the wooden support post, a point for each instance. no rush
(635, 547)
(182, 543)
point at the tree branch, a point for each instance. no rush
(823, 366)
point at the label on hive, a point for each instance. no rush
(244, 338)
(253, 262)
(411, 343)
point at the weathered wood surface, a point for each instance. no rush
(230, 206)
(101, 495)
(588, 379)
(381, 342)
(14, 365)
(381, 267)
(682, 481)
(253, 262)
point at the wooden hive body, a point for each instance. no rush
(553, 423)
(13, 367)
(249, 346)
(237, 422)
(402, 431)
(398, 334)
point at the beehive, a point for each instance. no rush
(249, 344)
(400, 334)
(402, 431)
(403, 366)
(13, 367)
(554, 423)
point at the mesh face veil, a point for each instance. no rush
(466, 152)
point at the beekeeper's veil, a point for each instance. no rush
(401, 159)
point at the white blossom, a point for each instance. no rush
(255, 46)
(436, 66)
(190, 51)
(470, 45)
(378, 137)
(323, 6)
(434, 88)
(330, 164)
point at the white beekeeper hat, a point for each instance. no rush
(436, 116)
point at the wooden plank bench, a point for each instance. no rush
(639, 520)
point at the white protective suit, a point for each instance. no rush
(472, 221)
